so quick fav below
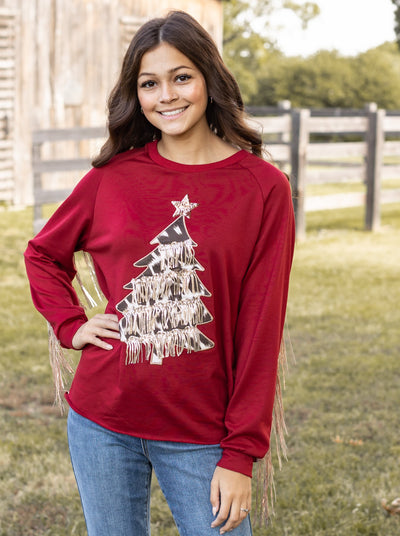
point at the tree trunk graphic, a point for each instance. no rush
(164, 307)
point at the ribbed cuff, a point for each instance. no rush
(67, 330)
(237, 461)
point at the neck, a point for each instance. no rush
(194, 150)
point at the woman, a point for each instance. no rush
(191, 235)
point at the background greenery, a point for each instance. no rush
(325, 79)
(342, 396)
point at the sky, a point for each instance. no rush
(349, 26)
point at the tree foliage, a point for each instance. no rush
(325, 79)
(246, 47)
(397, 20)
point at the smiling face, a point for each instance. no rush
(172, 93)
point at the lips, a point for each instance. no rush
(172, 113)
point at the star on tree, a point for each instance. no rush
(184, 207)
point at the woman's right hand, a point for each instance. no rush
(98, 327)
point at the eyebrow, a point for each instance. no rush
(169, 72)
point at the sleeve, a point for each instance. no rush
(49, 260)
(258, 334)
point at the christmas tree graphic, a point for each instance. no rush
(164, 307)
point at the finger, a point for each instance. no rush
(92, 334)
(107, 334)
(221, 517)
(109, 316)
(234, 519)
(106, 321)
(225, 506)
(100, 344)
(244, 513)
(214, 496)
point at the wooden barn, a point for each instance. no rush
(58, 61)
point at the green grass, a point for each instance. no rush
(342, 396)
(348, 187)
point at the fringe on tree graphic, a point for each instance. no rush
(164, 307)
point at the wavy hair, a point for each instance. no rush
(128, 127)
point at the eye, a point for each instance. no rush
(148, 84)
(183, 77)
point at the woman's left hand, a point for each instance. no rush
(230, 496)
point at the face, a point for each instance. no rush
(172, 92)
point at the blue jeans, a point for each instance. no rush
(113, 473)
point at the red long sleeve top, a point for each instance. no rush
(195, 261)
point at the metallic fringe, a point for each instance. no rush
(265, 484)
(92, 272)
(169, 285)
(141, 320)
(60, 367)
(176, 254)
(164, 344)
(88, 264)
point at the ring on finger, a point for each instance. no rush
(247, 510)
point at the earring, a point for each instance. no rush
(211, 100)
(141, 110)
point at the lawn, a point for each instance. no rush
(342, 395)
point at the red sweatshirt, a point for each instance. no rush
(195, 261)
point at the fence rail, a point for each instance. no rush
(301, 146)
(41, 194)
(298, 140)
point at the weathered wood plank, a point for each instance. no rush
(67, 134)
(374, 161)
(337, 124)
(51, 196)
(334, 175)
(271, 124)
(390, 172)
(298, 160)
(54, 166)
(334, 201)
(6, 174)
(338, 150)
(278, 152)
(390, 196)
(391, 148)
(391, 123)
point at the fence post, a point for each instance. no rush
(284, 107)
(298, 160)
(37, 185)
(374, 163)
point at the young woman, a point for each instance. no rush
(191, 235)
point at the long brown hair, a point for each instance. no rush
(129, 128)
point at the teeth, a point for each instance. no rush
(175, 112)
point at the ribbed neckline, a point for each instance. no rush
(156, 157)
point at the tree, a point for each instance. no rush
(378, 77)
(397, 20)
(327, 79)
(163, 309)
(321, 80)
(247, 45)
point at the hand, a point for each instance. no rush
(99, 326)
(230, 493)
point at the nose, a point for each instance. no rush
(168, 93)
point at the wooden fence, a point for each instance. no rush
(42, 193)
(313, 146)
(318, 146)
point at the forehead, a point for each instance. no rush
(163, 58)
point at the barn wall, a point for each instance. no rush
(68, 57)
